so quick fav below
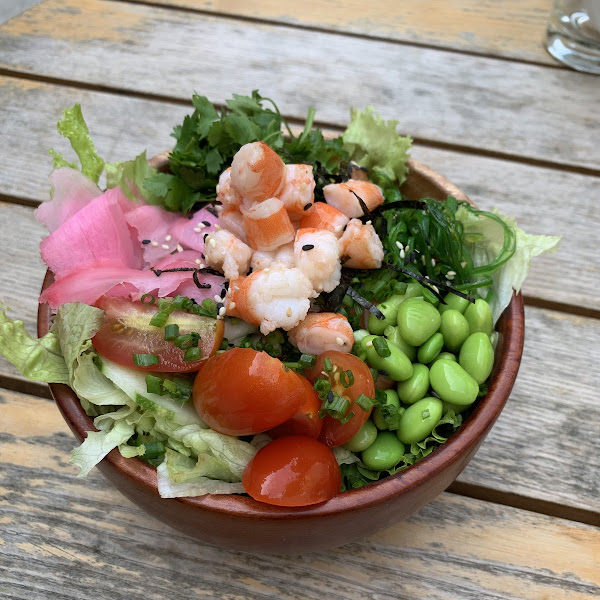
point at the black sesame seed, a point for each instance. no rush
(212, 211)
(146, 241)
(204, 238)
(226, 285)
(206, 223)
(307, 247)
(382, 372)
(220, 305)
(223, 293)
(307, 206)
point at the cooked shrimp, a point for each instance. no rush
(297, 193)
(227, 253)
(317, 255)
(257, 172)
(232, 220)
(319, 332)
(324, 216)
(282, 257)
(341, 196)
(271, 298)
(360, 246)
(268, 225)
(225, 193)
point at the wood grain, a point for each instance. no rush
(64, 537)
(442, 97)
(122, 127)
(509, 28)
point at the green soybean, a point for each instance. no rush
(418, 321)
(416, 386)
(419, 419)
(393, 335)
(413, 290)
(446, 356)
(397, 365)
(384, 453)
(389, 308)
(391, 398)
(452, 383)
(454, 328)
(431, 348)
(477, 356)
(479, 316)
(454, 302)
(364, 342)
(363, 438)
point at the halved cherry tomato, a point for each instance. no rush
(127, 331)
(243, 391)
(334, 432)
(293, 471)
(306, 420)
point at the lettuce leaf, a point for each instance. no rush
(489, 237)
(374, 143)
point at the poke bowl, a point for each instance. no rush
(241, 523)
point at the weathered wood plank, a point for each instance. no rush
(541, 432)
(440, 96)
(509, 28)
(63, 537)
(122, 127)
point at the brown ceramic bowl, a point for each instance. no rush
(241, 523)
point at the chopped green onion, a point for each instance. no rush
(347, 378)
(192, 354)
(184, 386)
(145, 360)
(160, 319)
(154, 385)
(171, 332)
(147, 299)
(327, 366)
(182, 303)
(364, 402)
(336, 407)
(187, 341)
(381, 347)
(307, 361)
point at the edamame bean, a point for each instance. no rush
(477, 356)
(393, 335)
(418, 321)
(454, 302)
(384, 453)
(364, 342)
(419, 419)
(452, 383)
(389, 308)
(416, 386)
(397, 365)
(431, 348)
(391, 398)
(454, 328)
(363, 438)
(446, 356)
(413, 290)
(359, 334)
(479, 316)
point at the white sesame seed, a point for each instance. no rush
(231, 305)
(402, 254)
(165, 246)
(288, 312)
(168, 238)
(219, 208)
(217, 298)
(200, 225)
(154, 244)
(369, 343)
(198, 261)
(179, 248)
(449, 277)
(368, 222)
(399, 245)
(236, 288)
(451, 273)
(212, 242)
(434, 287)
(217, 227)
(266, 270)
(406, 248)
(433, 262)
(222, 311)
(197, 229)
(463, 264)
(423, 260)
(339, 341)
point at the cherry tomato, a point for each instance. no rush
(334, 432)
(243, 391)
(306, 420)
(127, 331)
(293, 471)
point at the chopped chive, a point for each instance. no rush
(154, 385)
(381, 347)
(192, 354)
(347, 378)
(170, 386)
(147, 299)
(187, 341)
(307, 361)
(171, 332)
(145, 360)
(159, 319)
(327, 365)
(182, 303)
(364, 402)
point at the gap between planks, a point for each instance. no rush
(473, 150)
(333, 31)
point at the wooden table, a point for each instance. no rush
(487, 107)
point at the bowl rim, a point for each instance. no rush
(469, 435)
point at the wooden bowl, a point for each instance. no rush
(241, 523)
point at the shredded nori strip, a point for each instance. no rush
(364, 303)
